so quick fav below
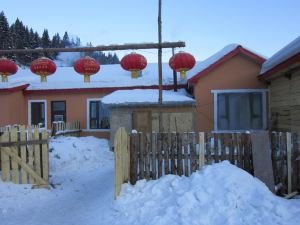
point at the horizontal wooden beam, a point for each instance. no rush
(178, 44)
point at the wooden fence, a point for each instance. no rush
(150, 156)
(25, 156)
(68, 128)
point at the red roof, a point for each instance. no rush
(238, 50)
(281, 66)
(14, 89)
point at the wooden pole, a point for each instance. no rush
(97, 48)
(174, 74)
(160, 67)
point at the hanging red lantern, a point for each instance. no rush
(7, 68)
(86, 66)
(134, 62)
(43, 67)
(182, 62)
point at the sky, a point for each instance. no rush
(206, 26)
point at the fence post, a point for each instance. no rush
(201, 150)
(121, 159)
(289, 160)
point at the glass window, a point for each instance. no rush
(99, 115)
(240, 111)
(58, 111)
(38, 114)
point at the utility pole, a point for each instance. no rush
(174, 74)
(160, 98)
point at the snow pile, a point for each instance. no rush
(72, 153)
(145, 96)
(285, 53)
(218, 194)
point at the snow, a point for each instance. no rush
(108, 76)
(285, 53)
(82, 174)
(145, 96)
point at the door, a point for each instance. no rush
(38, 113)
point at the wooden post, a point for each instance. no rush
(133, 176)
(201, 150)
(174, 74)
(289, 161)
(153, 148)
(23, 154)
(14, 149)
(160, 97)
(5, 162)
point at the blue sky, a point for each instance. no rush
(206, 26)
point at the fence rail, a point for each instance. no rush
(152, 155)
(25, 156)
(68, 128)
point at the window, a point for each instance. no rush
(58, 111)
(240, 110)
(98, 115)
(37, 113)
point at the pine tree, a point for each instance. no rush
(4, 32)
(46, 43)
(65, 41)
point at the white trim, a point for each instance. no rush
(29, 111)
(264, 106)
(238, 91)
(88, 129)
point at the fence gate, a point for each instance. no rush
(25, 156)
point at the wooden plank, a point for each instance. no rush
(45, 156)
(274, 146)
(37, 153)
(30, 153)
(154, 154)
(24, 175)
(231, 148)
(5, 161)
(14, 149)
(223, 147)
(173, 152)
(216, 148)
(262, 162)
(185, 143)
(133, 176)
(142, 155)
(201, 149)
(239, 150)
(193, 160)
(179, 155)
(166, 152)
(208, 148)
(289, 161)
(159, 154)
(147, 156)
(18, 160)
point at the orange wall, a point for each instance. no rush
(76, 108)
(238, 72)
(12, 108)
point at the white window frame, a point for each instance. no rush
(264, 106)
(29, 110)
(88, 129)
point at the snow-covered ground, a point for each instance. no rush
(82, 172)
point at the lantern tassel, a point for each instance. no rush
(4, 78)
(87, 78)
(43, 78)
(134, 74)
(182, 74)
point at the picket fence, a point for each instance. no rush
(24, 156)
(150, 156)
(66, 129)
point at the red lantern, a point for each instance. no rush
(182, 62)
(134, 62)
(43, 67)
(86, 66)
(7, 68)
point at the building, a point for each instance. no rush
(227, 93)
(282, 74)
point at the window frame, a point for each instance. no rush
(88, 128)
(240, 91)
(65, 112)
(29, 111)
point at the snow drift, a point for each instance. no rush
(218, 194)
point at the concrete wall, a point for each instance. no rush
(238, 72)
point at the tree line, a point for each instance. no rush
(19, 36)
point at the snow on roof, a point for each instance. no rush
(8, 85)
(285, 53)
(149, 96)
(108, 76)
